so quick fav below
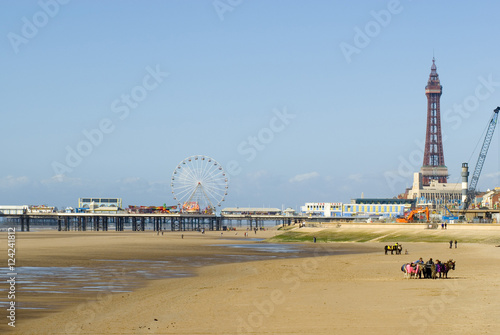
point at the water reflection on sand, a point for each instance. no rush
(115, 276)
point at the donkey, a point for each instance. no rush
(450, 265)
(397, 248)
(411, 271)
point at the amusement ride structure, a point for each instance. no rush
(199, 185)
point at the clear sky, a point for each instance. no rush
(307, 101)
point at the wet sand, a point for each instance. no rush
(327, 290)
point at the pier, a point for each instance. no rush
(143, 222)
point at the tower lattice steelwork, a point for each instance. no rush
(433, 166)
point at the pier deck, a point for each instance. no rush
(142, 222)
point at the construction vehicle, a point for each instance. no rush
(471, 191)
(410, 217)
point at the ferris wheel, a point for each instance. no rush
(199, 184)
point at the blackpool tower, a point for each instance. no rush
(433, 167)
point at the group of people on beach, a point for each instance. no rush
(429, 269)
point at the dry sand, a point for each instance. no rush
(363, 293)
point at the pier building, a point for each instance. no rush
(42, 209)
(100, 205)
(11, 210)
(109, 202)
(250, 211)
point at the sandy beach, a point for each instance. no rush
(321, 288)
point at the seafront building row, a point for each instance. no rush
(440, 198)
(435, 196)
(337, 209)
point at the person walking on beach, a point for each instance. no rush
(451, 243)
(455, 244)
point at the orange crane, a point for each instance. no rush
(410, 216)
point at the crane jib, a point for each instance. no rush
(482, 157)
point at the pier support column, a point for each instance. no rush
(196, 224)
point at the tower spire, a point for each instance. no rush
(433, 167)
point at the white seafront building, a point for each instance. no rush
(436, 193)
(326, 209)
(358, 207)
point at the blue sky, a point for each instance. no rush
(333, 91)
